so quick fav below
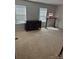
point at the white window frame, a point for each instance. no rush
(20, 14)
(41, 16)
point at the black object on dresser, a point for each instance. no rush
(32, 25)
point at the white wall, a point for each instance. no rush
(59, 13)
(49, 1)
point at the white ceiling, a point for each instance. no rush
(56, 2)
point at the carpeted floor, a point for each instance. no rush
(39, 44)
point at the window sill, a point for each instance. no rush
(20, 23)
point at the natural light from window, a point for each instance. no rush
(43, 14)
(20, 14)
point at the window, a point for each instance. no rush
(43, 13)
(20, 14)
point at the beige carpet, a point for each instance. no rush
(40, 44)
